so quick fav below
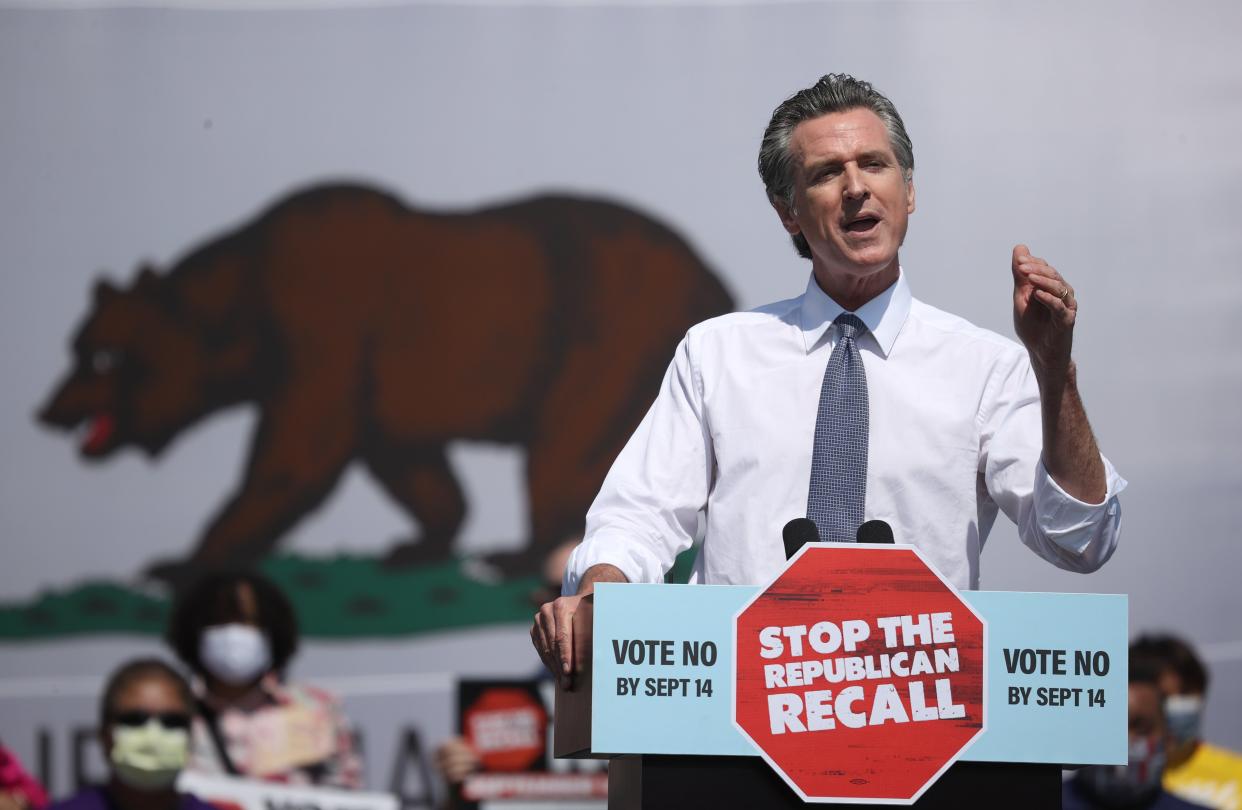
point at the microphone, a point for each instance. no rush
(797, 533)
(875, 531)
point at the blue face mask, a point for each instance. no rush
(1129, 786)
(1184, 714)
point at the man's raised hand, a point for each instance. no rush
(1044, 310)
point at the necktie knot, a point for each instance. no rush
(849, 326)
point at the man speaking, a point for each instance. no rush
(854, 401)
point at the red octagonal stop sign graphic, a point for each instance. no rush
(859, 673)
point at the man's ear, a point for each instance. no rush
(910, 193)
(788, 218)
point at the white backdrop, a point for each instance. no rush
(1105, 135)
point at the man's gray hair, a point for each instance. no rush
(835, 92)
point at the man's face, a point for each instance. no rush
(851, 198)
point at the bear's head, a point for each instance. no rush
(139, 374)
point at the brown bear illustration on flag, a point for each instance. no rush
(366, 330)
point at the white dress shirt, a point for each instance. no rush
(955, 434)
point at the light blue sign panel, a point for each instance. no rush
(661, 719)
(1066, 712)
(663, 674)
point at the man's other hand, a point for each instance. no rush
(553, 630)
(1044, 310)
(553, 637)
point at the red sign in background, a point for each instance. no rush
(507, 727)
(506, 723)
(859, 673)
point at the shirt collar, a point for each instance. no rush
(884, 315)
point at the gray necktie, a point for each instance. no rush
(839, 461)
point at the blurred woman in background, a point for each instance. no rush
(237, 632)
(145, 718)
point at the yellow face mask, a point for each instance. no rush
(150, 756)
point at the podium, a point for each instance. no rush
(666, 782)
(1053, 691)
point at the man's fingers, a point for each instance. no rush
(1058, 306)
(1037, 266)
(1045, 280)
(537, 639)
(552, 634)
(565, 637)
(543, 634)
(1025, 265)
(1053, 284)
(546, 627)
(1020, 252)
(564, 608)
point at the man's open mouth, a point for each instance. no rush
(862, 224)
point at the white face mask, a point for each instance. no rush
(235, 653)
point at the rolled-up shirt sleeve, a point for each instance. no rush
(1069, 533)
(648, 509)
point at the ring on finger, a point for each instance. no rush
(1065, 293)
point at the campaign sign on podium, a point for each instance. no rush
(865, 689)
(662, 662)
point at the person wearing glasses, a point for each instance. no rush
(145, 718)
